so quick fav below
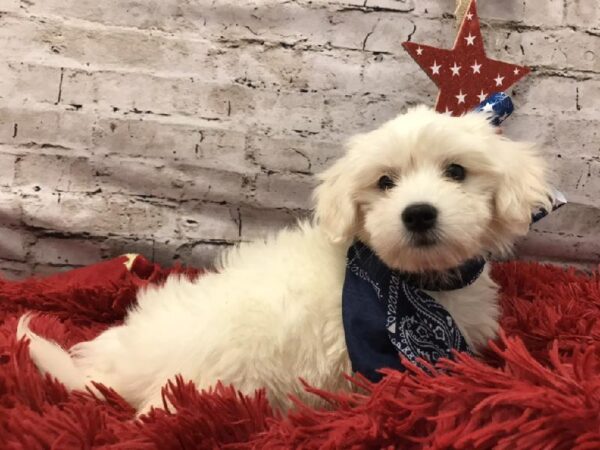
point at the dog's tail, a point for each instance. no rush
(51, 358)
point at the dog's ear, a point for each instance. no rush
(522, 187)
(335, 202)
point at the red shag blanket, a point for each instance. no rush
(539, 387)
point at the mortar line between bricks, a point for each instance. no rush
(60, 85)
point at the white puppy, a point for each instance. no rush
(273, 312)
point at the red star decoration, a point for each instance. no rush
(465, 75)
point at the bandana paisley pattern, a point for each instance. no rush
(387, 313)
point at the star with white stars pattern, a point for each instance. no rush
(488, 108)
(464, 69)
(455, 70)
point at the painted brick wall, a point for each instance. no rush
(174, 128)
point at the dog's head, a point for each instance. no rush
(428, 191)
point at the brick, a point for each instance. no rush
(14, 243)
(98, 215)
(208, 222)
(123, 13)
(570, 146)
(393, 5)
(34, 82)
(10, 208)
(388, 33)
(284, 191)
(204, 255)
(115, 246)
(131, 177)
(76, 252)
(576, 137)
(149, 93)
(275, 66)
(578, 178)
(47, 127)
(258, 223)
(7, 168)
(531, 95)
(166, 253)
(571, 233)
(10, 6)
(302, 112)
(530, 12)
(64, 44)
(435, 8)
(566, 134)
(17, 37)
(558, 49)
(513, 11)
(558, 245)
(11, 270)
(293, 154)
(233, 104)
(367, 113)
(531, 128)
(55, 173)
(343, 3)
(205, 145)
(173, 181)
(588, 95)
(271, 20)
(549, 12)
(385, 74)
(583, 13)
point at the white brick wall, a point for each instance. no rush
(175, 128)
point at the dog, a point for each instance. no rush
(425, 191)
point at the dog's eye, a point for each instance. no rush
(385, 183)
(456, 172)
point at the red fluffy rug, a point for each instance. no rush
(539, 387)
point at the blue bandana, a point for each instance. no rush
(386, 313)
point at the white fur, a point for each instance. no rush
(272, 313)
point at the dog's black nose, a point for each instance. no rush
(419, 217)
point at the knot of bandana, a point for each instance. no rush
(386, 313)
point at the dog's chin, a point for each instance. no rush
(424, 253)
(424, 241)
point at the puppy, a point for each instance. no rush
(425, 192)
